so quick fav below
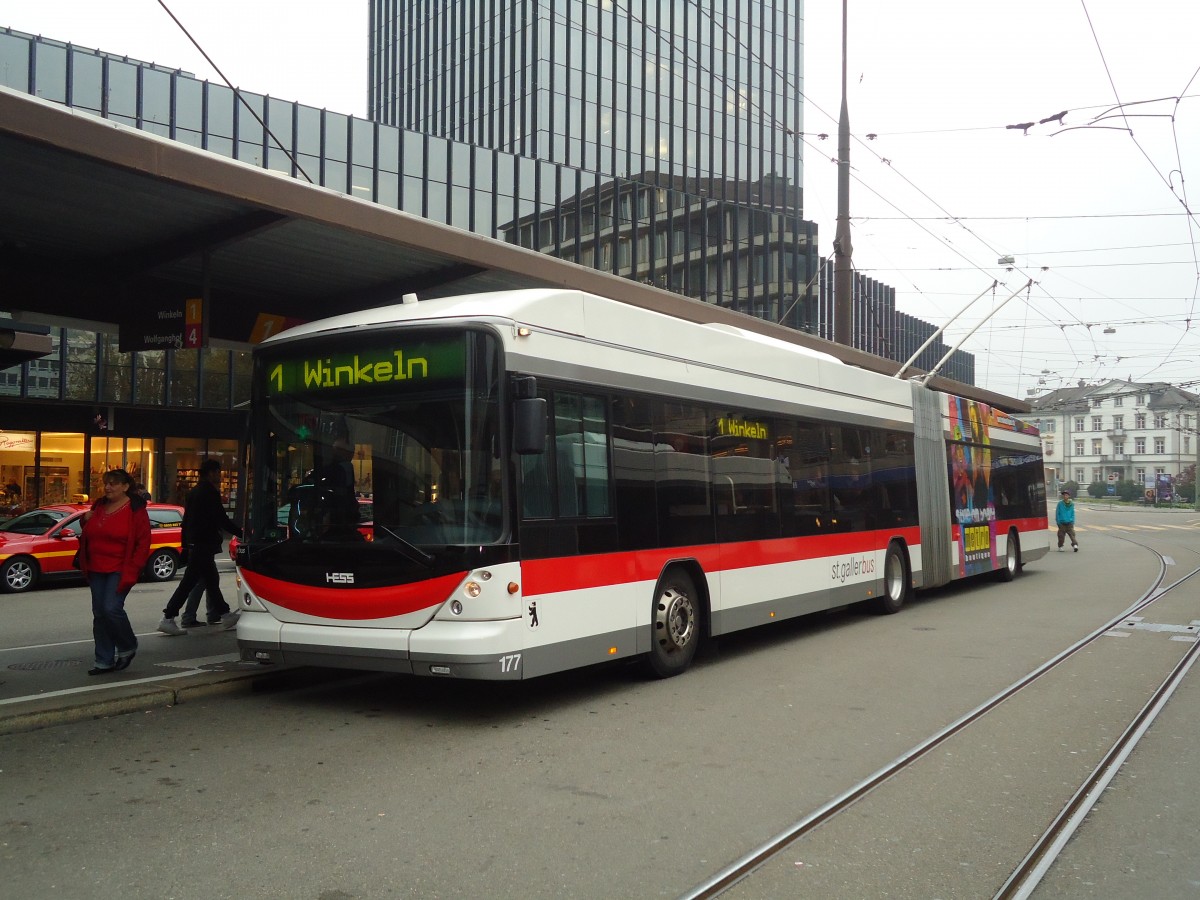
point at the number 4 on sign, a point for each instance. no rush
(193, 322)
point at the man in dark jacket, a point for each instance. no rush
(204, 518)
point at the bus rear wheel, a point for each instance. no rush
(1012, 558)
(897, 580)
(675, 625)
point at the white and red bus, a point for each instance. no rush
(558, 479)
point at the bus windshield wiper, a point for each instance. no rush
(412, 551)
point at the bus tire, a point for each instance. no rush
(1012, 558)
(897, 580)
(675, 625)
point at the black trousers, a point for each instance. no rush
(202, 566)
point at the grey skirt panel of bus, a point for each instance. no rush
(933, 490)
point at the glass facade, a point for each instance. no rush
(656, 140)
(653, 90)
(115, 400)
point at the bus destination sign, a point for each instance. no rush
(416, 364)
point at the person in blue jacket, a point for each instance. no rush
(1064, 517)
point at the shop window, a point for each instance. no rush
(16, 458)
(61, 476)
(181, 467)
(139, 463)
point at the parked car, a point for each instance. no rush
(41, 544)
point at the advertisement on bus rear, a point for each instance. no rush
(970, 485)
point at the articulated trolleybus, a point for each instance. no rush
(556, 479)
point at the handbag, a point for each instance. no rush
(75, 560)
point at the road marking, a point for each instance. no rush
(66, 692)
(144, 634)
(189, 667)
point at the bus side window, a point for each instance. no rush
(577, 449)
(581, 455)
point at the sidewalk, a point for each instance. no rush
(49, 648)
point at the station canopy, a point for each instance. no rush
(107, 226)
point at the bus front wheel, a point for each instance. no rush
(675, 625)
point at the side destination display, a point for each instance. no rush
(398, 365)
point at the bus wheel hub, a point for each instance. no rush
(674, 620)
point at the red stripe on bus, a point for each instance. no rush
(351, 602)
(548, 576)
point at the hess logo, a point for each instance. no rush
(339, 578)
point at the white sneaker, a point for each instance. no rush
(229, 620)
(168, 626)
(1060, 549)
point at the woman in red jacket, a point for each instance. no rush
(113, 548)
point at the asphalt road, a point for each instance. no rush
(603, 784)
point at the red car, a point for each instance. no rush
(41, 544)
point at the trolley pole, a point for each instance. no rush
(843, 263)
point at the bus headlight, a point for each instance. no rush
(456, 607)
(472, 589)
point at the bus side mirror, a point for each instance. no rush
(529, 425)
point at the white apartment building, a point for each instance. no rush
(1117, 431)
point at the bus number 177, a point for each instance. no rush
(510, 663)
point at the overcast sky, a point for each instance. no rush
(1092, 210)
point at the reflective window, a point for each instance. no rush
(156, 102)
(116, 371)
(150, 380)
(14, 62)
(215, 364)
(44, 380)
(184, 383)
(81, 365)
(50, 72)
(122, 91)
(87, 71)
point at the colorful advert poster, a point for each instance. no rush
(971, 485)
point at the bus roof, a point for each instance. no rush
(566, 311)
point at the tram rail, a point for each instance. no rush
(1032, 867)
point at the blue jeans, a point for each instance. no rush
(110, 626)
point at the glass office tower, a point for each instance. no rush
(661, 136)
(652, 89)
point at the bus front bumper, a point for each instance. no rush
(472, 650)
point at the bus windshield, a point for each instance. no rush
(393, 441)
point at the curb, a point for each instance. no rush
(36, 713)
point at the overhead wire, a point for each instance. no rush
(237, 93)
(1166, 180)
(768, 117)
